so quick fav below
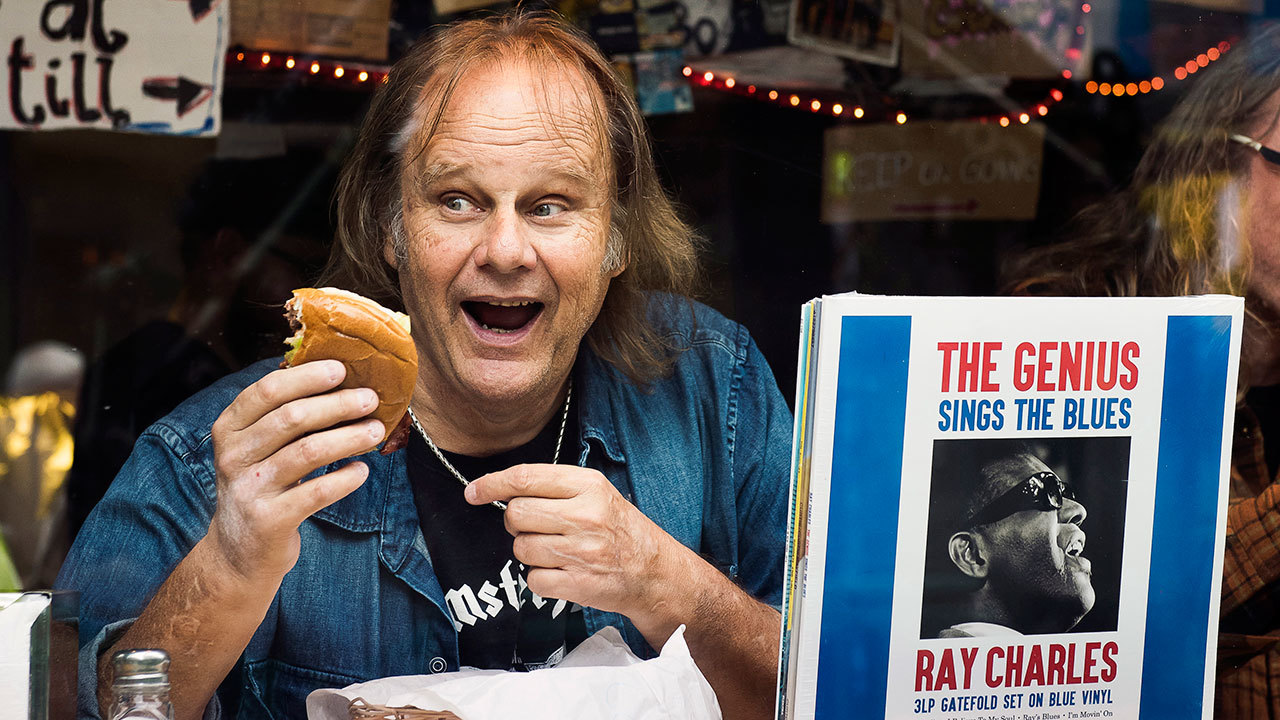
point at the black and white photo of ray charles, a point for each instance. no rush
(1006, 544)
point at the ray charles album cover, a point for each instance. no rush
(1008, 508)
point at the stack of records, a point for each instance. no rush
(1008, 507)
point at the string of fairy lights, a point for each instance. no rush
(356, 75)
(328, 70)
(1158, 82)
(899, 116)
(858, 112)
(896, 115)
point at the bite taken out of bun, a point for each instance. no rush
(372, 341)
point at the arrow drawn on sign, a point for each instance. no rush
(188, 93)
(200, 8)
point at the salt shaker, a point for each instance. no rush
(140, 690)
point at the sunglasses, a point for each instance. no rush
(1271, 156)
(1042, 491)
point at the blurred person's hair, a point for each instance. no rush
(1176, 229)
(659, 250)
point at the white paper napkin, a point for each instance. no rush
(601, 678)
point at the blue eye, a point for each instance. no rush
(458, 204)
(547, 209)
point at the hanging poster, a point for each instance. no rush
(134, 65)
(866, 30)
(660, 88)
(706, 25)
(1008, 508)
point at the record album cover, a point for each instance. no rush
(1008, 508)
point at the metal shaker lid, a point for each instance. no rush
(141, 665)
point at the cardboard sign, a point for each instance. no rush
(924, 171)
(336, 28)
(139, 65)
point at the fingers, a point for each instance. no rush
(579, 538)
(245, 489)
(584, 570)
(543, 481)
(291, 422)
(552, 583)
(256, 533)
(546, 516)
(277, 431)
(316, 450)
(284, 425)
(278, 388)
(582, 553)
(304, 499)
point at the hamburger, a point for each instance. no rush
(373, 343)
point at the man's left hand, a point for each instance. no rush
(583, 542)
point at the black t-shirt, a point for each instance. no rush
(501, 624)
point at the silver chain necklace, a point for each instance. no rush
(555, 458)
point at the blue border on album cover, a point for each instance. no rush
(1187, 476)
(862, 535)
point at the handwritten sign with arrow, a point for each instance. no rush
(185, 93)
(132, 65)
(931, 171)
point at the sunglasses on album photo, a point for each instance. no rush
(1042, 491)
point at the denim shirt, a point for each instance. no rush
(704, 452)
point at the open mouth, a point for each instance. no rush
(1072, 540)
(503, 316)
(1075, 548)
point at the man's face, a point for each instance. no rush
(506, 217)
(1262, 206)
(1036, 557)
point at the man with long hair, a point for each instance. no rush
(589, 448)
(1202, 215)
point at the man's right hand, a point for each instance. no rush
(277, 431)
